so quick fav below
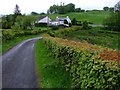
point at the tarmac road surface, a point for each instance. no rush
(18, 66)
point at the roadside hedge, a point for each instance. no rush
(11, 34)
(86, 68)
(64, 31)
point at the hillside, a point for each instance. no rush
(96, 17)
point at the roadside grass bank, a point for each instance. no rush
(50, 73)
(11, 43)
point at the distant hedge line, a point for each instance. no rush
(85, 67)
(11, 34)
(64, 31)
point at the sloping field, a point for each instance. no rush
(96, 17)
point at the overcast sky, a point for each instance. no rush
(27, 6)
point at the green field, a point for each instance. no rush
(96, 17)
(96, 36)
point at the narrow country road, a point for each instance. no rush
(18, 66)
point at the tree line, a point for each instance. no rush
(62, 9)
(17, 21)
(108, 9)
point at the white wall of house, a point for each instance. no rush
(61, 22)
(54, 23)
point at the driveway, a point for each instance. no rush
(18, 66)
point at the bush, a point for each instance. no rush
(70, 24)
(85, 25)
(16, 27)
(74, 21)
(40, 24)
(18, 33)
(11, 34)
(87, 69)
(52, 34)
(64, 31)
(54, 27)
(7, 35)
(34, 32)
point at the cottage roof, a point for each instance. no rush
(45, 19)
(41, 17)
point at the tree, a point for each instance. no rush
(8, 21)
(82, 10)
(34, 13)
(53, 9)
(106, 8)
(78, 10)
(24, 22)
(111, 9)
(62, 9)
(17, 10)
(42, 13)
(70, 7)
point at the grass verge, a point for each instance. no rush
(50, 73)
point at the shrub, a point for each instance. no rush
(18, 33)
(54, 27)
(34, 32)
(74, 21)
(63, 31)
(85, 25)
(7, 35)
(11, 34)
(40, 24)
(86, 68)
(52, 34)
(70, 24)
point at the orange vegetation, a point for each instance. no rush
(103, 53)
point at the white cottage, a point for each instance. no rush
(59, 21)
